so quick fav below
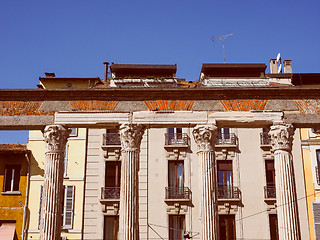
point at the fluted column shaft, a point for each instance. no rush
(130, 136)
(51, 207)
(287, 207)
(205, 137)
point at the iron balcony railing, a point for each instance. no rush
(110, 193)
(318, 174)
(177, 139)
(265, 139)
(178, 193)
(226, 139)
(228, 192)
(111, 139)
(269, 192)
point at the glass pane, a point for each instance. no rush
(16, 180)
(318, 157)
(220, 178)
(172, 170)
(180, 175)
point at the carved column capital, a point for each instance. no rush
(205, 137)
(131, 135)
(281, 135)
(56, 137)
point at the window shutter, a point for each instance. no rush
(316, 218)
(39, 219)
(68, 207)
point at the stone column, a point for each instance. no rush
(281, 135)
(130, 137)
(205, 137)
(55, 137)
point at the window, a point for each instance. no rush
(111, 228)
(176, 227)
(227, 227)
(74, 132)
(11, 178)
(176, 180)
(113, 174)
(175, 136)
(68, 206)
(66, 160)
(270, 173)
(225, 173)
(225, 133)
(318, 157)
(273, 223)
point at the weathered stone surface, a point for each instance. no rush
(55, 106)
(33, 122)
(128, 106)
(281, 105)
(207, 105)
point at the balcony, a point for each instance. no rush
(265, 139)
(226, 140)
(318, 174)
(177, 139)
(110, 193)
(111, 139)
(270, 194)
(228, 193)
(179, 194)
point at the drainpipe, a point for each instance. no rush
(27, 200)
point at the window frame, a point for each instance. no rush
(14, 180)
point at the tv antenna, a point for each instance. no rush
(223, 38)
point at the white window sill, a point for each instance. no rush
(11, 193)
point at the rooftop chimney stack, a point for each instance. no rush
(287, 66)
(49, 75)
(106, 65)
(273, 66)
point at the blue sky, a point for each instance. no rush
(74, 38)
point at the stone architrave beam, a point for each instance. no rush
(130, 137)
(205, 137)
(281, 135)
(51, 207)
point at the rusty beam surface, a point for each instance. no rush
(138, 94)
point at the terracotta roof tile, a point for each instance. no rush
(15, 148)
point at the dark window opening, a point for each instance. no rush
(176, 227)
(227, 227)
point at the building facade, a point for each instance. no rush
(14, 181)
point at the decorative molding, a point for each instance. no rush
(94, 105)
(281, 135)
(308, 106)
(165, 105)
(56, 138)
(205, 137)
(131, 135)
(243, 105)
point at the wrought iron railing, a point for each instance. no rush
(177, 139)
(110, 193)
(228, 192)
(226, 139)
(178, 193)
(265, 139)
(111, 139)
(269, 192)
(318, 174)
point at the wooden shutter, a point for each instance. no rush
(68, 207)
(39, 219)
(316, 218)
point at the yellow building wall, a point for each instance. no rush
(74, 176)
(311, 192)
(12, 205)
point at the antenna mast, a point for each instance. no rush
(222, 37)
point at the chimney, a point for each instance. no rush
(287, 66)
(273, 66)
(49, 75)
(106, 65)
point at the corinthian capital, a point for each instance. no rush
(131, 135)
(281, 136)
(205, 137)
(56, 137)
